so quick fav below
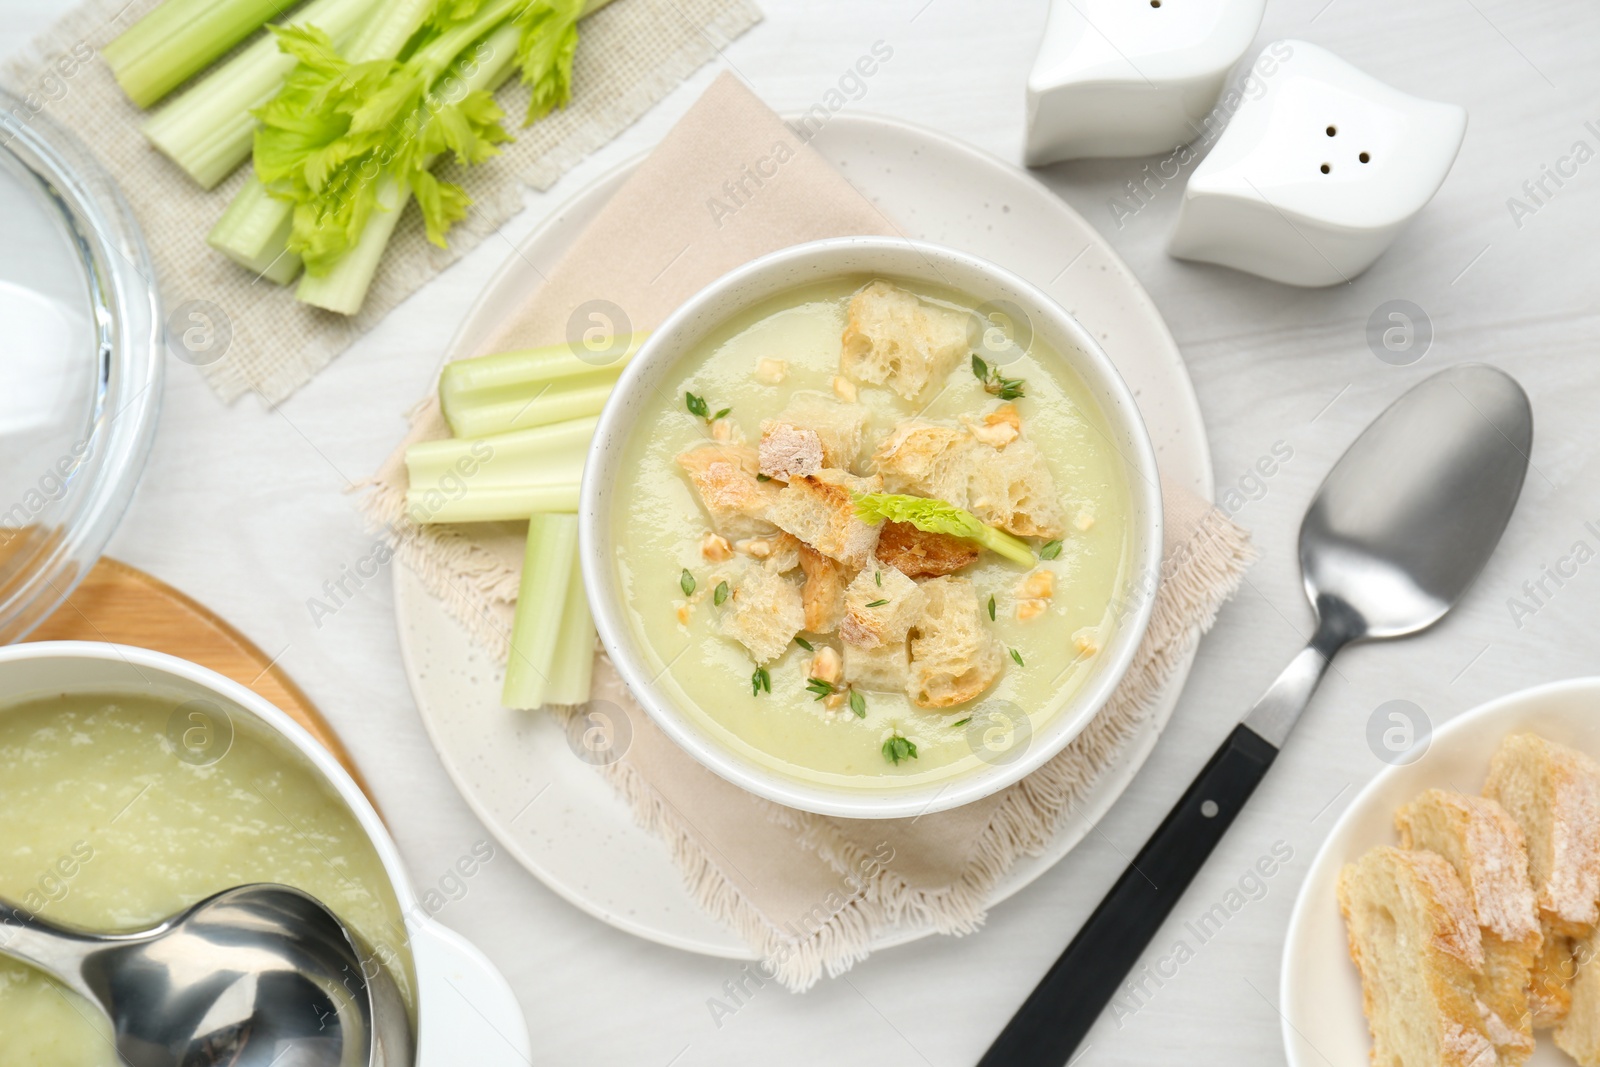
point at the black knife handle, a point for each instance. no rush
(1067, 1001)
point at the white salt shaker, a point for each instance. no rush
(1315, 175)
(1131, 77)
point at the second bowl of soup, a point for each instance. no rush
(868, 527)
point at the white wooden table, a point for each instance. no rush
(245, 509)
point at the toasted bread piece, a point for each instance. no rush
(880, 605)
(823, 593)
(885, 667)
(896, 339)
(838, 427)
(789, 452)
(919, 554)
(954, 657)
(1553, 792)
(1414, 938)
(724, 476)
(763, 613)
(1010, 487)
(1485, 846)
(820, 510)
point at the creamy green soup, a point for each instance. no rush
(660, 531)
(106, 827)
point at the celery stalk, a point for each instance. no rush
(343, 289)
(547, 572)
(178, 40)
(207, 130)
(572, 669)
(572, 398)
(519, 457)
(254, 233)
(490, 503)
(504, 375)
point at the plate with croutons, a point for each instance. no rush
(1452, 917)
(522, 773)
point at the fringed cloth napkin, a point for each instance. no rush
(808, 893)
(631, 54)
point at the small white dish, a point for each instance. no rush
(1315, 176)
(684, 332)
(1320, 992)
(1131, 77)
(466, 1011)
(548, 808)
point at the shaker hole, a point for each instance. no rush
(1326, 169)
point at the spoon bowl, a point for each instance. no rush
(255, 976)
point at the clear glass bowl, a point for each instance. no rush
(80, 362)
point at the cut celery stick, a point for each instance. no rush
(490, 503)
(547, 571)
(207, 131)
(254, 233)
(572, 668)
(521, 456)
(570, 398)
(178, 40)
(502, 375)
(548, 469)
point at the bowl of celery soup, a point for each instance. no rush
(136, 784)
(869, 527)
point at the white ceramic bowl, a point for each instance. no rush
(1320, 991)
(466, 1013)
(769, 276)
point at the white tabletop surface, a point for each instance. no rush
(244, 508)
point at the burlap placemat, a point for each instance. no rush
(809, 894)
(630, 55)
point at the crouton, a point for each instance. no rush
(764, 612)
(894, 338)
(724, 476)
(837, 426)
(789, 452)
(919, 554)
(886, 667)
(880, 606)
(954, 657)
(1011, 488)
(820, 510)
(823, 593)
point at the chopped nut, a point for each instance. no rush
(827, 665)
(715, 548)
(1031, 609)
(844, 389)
(722, 431)
(834, 701)
(999, 428)
(1087, 640)
(1041, 584)
(772, 371)
(682, 607)
(756, 548)
(1084, 519)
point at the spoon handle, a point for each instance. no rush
(1068, 1000)
(60, 953)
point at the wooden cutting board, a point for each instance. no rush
(126, 606)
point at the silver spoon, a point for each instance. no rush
(1401, 527)
(256, 975)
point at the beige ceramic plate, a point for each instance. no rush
(578, 837)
